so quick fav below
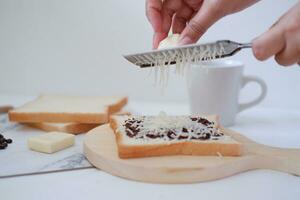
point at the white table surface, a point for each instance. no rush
(269, 126)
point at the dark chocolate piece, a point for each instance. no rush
(181, 137)
(152, 136)
(204, 121)
(171, 134)
(184, 130)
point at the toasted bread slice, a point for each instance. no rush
(142, 136)
(61, 109)
(74, 128)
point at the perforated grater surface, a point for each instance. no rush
(195, 53)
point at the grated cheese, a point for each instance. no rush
(183, 57)
(162, 124)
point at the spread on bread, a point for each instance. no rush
(162, 135)
(171, 128)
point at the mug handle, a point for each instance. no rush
(263, 86)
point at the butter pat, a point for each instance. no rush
(51, 142)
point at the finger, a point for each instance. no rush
(170, 7)
(289, 55)
(197, 26)
(153, 13)
(291, 32)
(194, 4)
(269, 43)
(181, 17)
(157, 38)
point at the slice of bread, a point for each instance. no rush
(144, 136)
(61, 109)
(73, 128)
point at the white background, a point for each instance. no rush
(76, 47)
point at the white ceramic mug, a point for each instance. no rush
(215, 88)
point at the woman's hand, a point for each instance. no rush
(191, 18)
(281, 40)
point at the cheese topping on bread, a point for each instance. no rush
(171, 128)
(162, 135)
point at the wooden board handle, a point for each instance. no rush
(281, 159)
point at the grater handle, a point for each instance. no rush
(231, 47)
(245, 45)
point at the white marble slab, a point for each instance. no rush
(17, 159)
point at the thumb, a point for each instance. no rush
(198, 25)
(269, 43)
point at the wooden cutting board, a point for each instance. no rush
(101, 150)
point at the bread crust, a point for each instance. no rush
(87, 118)
(178, 148)
(113, 108)
(74, 128)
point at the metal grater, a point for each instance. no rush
(224, 48)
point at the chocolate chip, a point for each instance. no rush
(4, 144)
(127, 125)
(171, 134)
(8, 141)
(193, 119)
(130, 133)
(184, 130)
(217, 134)
(152, 136)
(205, 136)
(134, 129)
(203, 121)
(181, 137)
